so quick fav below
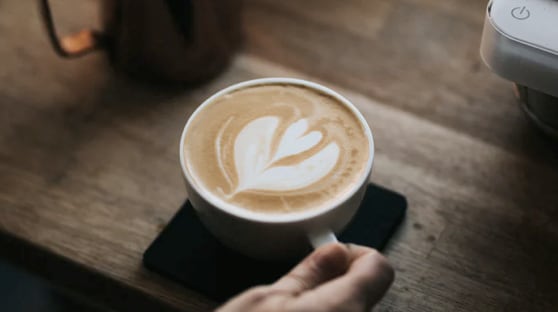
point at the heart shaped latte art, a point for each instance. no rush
(255, 164)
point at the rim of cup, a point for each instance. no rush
(277, 217)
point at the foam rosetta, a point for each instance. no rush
(256, 164)
(276, 148)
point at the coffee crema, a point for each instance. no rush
(276, 148)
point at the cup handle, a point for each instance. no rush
(322, 237)
(73, 45)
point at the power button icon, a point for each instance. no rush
(521, 13)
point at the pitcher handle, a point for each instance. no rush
(72, 45)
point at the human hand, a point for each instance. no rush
(335, 277)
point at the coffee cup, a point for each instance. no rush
(276, 166)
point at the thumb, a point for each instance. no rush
(324, 264)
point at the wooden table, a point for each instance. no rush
(89, 168)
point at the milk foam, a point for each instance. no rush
(256, 159)
(276, 148)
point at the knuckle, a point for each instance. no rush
(379, 270)
(299, 281)
(382, 266)
(379, 259)
(386, 266)
(329, 253)
(258, 294)
(338, 248)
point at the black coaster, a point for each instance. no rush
(187, 253)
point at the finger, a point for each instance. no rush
(364, 284)
(356, 251)
(322, 265)
(249, 300)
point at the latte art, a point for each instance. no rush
(276, 148)
(258, 169)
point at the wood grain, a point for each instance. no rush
(89, 160)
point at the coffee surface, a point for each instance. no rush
(276, 148)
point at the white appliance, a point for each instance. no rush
(520, 43)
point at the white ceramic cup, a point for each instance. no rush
(269, 236)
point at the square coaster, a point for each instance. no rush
(187, 253)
